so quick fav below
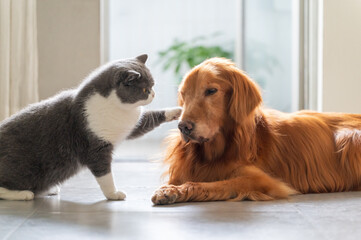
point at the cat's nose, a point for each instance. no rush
(186, 127)
(152, 93)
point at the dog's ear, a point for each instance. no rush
(246, 96)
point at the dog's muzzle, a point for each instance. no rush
(186, 128)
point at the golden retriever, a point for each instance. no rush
(230, 148)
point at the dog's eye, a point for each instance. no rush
(210, 91)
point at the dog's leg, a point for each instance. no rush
(251, 184)
(348, 146)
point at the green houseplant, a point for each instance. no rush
(182, 55)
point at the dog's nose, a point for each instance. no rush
(186, 127)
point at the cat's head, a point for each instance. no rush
(134, 82)
(129, 79)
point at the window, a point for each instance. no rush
(271, 51)
(259, 35)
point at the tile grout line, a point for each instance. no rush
(17, 227)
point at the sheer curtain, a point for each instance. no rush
(18, 55)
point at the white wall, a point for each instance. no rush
(342, 56)
(69, 43)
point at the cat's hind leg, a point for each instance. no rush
(55, 190)
(7, 194)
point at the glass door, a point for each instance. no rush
(270, 50)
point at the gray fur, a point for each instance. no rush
(147, 122)
(48, 142)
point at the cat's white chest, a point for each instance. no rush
(109, 119)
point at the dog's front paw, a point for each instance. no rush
(167, 194)
(118, 195)
(173, 113)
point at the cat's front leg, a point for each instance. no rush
(106, 183)
(99, 162)
(152, 119)
(172, 113)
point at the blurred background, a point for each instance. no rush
(305, 54)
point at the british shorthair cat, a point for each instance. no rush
(50, 141)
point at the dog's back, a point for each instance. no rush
(314, 152)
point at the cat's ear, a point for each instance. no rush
(129, 77)
(142, 58)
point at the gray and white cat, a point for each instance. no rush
(50, 141)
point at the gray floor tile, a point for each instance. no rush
(167, 225)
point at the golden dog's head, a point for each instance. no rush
(215, 94)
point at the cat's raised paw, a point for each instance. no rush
(118, 195)
(173, 113)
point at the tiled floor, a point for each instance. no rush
(80, 212)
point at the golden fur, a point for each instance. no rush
(239, 150)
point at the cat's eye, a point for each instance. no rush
(210, 91)
(146, 90)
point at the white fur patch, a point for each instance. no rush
(108, 188)
(172, 113)
(15, 195)
(110, 119)
(55, 190)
